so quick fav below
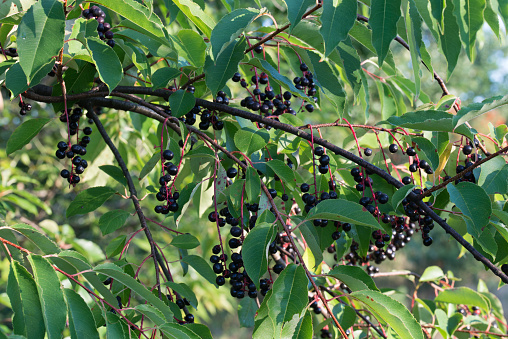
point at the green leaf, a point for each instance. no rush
(151, 313)
(16, 80)
(113, 220)
(248, 141)
(81, 320)
(201, 266)
(255, 250)
(118, 275)
(185, 291)
(311, 237)
(195, 14)
(181, 102)
(328, 81)
(384, 15)
(469, 14)
(24, 133)
(76, 81)
(345, 314)
(40, 35)
(491, 17)
(400, 194)
(392, 312)
(247, 309)
(82, 265)
(449, 39)
(41, 240)
(352, 64)
(286, 174)
(279, 78)
(115, 172)
(252, 184)
(463, 296)
(186, 241)
(478, 108)
(344, 211)
(296, 9)
(190, 45)
(354, 277)
(185, 199)
(230, 27)
(476, 208)
(436, 121)
(429, 151)
(149, 165)
(89, 200)
(289, 294)
(22, 292)
(115, 246)
(432, 273)
(50, 296)
(162, 77)
(298, 327)
(107, 62)
(494, 176)
(115, 327)
(219, 72)
(337, 19)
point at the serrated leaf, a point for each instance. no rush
(115, 327)
(185, 199)
(40, 35)
(286, 174)
(463, 296)
(311, 237)
(24, 133)
(255, 250)
(392, 312)
(46, 245)
(337, 19)
(432, 273)
(328, 82)
(230, 27)
(181, 102)
(16, 81)
(118, 275)
(114, 172)
(201, 266)
(252, 184)
(24, 298)
(151, 313)
(344, 211)
(384, 15)
(162, 77)
(431, 120)
(89, 200)
(469, 14)
(345, 314)
(186, 241)
(400, 194)
(50, 296)
(113, 220)
(115, 246)
(429, 151)
(220, 70)
(449, 39)
(190, 45)
(81, 320)
(149, 165)
(195, 14)
(289, 294)
(248, 141)
(494, 176)
(247, 308)
(300, 326)
(478, 108)
(476, 208)
(184, 291)
(296, 9)
(354, 277)
(107, 62)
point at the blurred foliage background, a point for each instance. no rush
(32, 192)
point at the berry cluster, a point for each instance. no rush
(24, 108)
(103, 28)
(206, 116)
(165, 194)
(74, 151)
(241, 283)
(269, 103)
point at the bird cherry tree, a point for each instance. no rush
(223, 116)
